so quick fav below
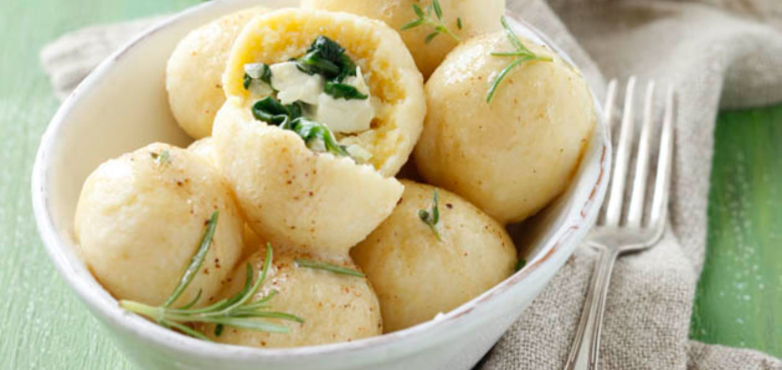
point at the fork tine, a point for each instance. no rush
(635, 213)
(664, 165)
(609, 105)
(614, 210)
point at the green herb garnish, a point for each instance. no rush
(161, 158)
(459, 23)
(425, 17)
(431, 217)
(236, 311)
(328, 267)
(289, 117)
(339, 90)
(316, 135)
(257, 72)
(327, 58)
(270, 110)
(324, 57)
(313, 63)
(522, 55)
(520, 264)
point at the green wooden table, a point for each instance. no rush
(44, 326)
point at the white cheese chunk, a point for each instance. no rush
(358, 82)
(259, 89)
(346, 116)
(360, 154)
(293, 84)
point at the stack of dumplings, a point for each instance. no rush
(302, 120)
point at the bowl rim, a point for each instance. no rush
(571, 232)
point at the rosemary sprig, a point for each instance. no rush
(317, 265)
(425, 17)
(522, 55)
(431, 217)
(236, 311)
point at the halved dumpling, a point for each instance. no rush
(394, 84)
(294, 196)
(195, 70)
(334, 307)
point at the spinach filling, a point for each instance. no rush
(326, 58)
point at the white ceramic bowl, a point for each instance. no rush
(123, 106)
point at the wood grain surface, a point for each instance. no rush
(44, 326)
(739, 299)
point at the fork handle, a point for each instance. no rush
(586, 343)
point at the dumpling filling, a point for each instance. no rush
(316, 95)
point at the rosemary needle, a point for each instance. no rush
(196, 261)
(522, 55)
(432, 216)
(425, 17)
(328, 267)
(161, 158)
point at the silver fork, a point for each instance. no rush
(613, 234)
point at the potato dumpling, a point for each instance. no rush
(195, 70)
(477, 17)
(293, 196)
(395, 85)
(205, 148)
(511, 156)
(334, 307)
(416, 274)
(140, 219)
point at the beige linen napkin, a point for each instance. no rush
(718, 53)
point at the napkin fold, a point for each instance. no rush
(718, 54)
